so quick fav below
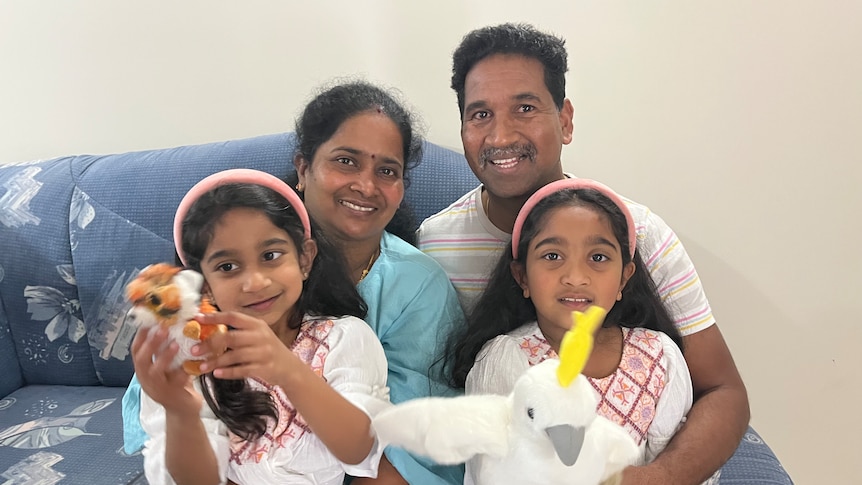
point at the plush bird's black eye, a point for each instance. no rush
(530, 412)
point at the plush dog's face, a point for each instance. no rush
(164, 295)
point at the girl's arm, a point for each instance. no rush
(179, 449)
(256, 351)
(341, 426)
(188, 455)
(674, 403)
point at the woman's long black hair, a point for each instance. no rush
(325, 114)
(502, 308)
(328, 291)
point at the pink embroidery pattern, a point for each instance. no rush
(311, 347)
(630, 395)
(537, 349)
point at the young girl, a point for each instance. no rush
(573, 246)
(289, 402)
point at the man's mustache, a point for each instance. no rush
(516, 150)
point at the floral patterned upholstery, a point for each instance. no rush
(73, 231)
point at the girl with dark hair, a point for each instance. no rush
(289, 402)
(573, 246)
(355, 147)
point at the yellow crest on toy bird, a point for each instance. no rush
(578, 343)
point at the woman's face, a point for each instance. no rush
(355, 182)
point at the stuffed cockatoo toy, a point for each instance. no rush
(545, 432)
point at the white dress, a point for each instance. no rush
(348, 355)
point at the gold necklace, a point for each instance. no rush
(368, 267)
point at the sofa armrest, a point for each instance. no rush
(754, 463)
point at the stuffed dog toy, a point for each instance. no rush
(169, 296)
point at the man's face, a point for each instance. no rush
(511, 130)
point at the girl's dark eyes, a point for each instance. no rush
(551, 257)
(226, 267)
(272, 255)
(598, 258)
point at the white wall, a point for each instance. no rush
(743, 117)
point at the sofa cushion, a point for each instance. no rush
(38, 287)
(441, 178)
(51, 432)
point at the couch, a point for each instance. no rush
(73, 230)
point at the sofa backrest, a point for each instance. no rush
(74, 230)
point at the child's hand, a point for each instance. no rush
(172, 388)
(253, 350)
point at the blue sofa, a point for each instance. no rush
(72, 232)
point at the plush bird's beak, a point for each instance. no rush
(567, 441)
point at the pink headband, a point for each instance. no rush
(571, 183)
(235, 176)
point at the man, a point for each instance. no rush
(510, 83)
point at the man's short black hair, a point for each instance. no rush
(509, 38)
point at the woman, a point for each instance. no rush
(355, 147)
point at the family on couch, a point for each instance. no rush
(355, 148)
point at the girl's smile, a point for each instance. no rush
(252, 266)
(262, 305)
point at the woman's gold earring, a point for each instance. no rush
(305, 275)
(299, 187)
(620, 296)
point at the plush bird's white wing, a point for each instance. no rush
(618, 446)
(447, 430)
